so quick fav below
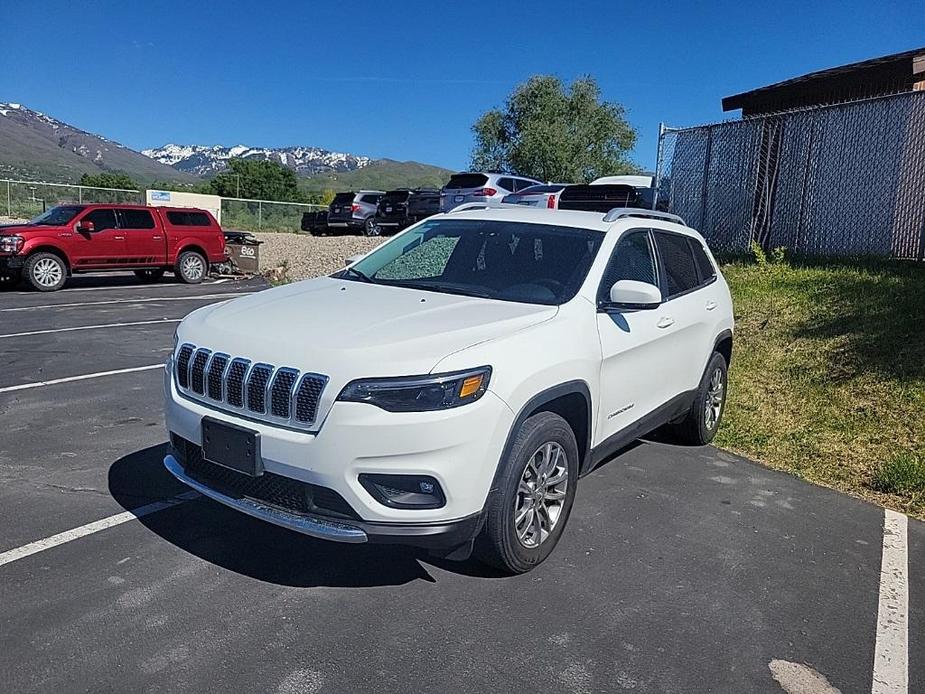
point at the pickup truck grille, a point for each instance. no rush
(279, 395)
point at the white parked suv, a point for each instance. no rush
(449, 389)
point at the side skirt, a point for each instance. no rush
(674, 408)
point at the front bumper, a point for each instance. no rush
(11, 263)
(459, 448)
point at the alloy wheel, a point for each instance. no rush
(192, 267)
(713, 405)
(47, 272)
(541, 494)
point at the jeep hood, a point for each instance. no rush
(349, 330)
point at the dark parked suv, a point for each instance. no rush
(403, 207)
(355, 211)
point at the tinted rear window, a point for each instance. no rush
(137, 219)
(707, 271)
(396, 196)
(467, 181)
(188, 219)
(343, 198)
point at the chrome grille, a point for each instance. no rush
(281, 395)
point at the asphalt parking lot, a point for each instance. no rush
(682, 569)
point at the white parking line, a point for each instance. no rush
(125, 301)
(94, 527)
(84, 377)
(891, 654)
(134, 287)
(92, 327)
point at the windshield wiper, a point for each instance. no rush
(445, 288)
(352, 271)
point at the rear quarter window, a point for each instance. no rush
(188, 219)
(467, 181)
(704, 266)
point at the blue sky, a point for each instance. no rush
(406, 80)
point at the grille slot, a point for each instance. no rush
(183, 357)
(234, 381)
(307, 396)
(282, 395)
(281, 392)
(197, 370)
(214, 375)
(257, 388)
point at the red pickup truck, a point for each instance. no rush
(70, 239)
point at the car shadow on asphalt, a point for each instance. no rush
(260, 550)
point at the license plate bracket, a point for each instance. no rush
(231, 446)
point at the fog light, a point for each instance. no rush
(404, 491)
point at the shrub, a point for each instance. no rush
(904, 474)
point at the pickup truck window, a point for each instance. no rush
(136, 219)
(102, 219)
(56, 216)
(509, 261)
(188, 219)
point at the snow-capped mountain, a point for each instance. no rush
(35, 145)
(203, 160)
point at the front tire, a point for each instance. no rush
(45, 272)
(700, 425)
(151, 275)
(191, 267)
(526, 514)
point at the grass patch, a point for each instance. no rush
(903, 475)
(828, 373)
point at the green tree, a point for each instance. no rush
(554, 133)
(258, 179)
(109, 179)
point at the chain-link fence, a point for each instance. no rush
(842, 180)
(27, 199)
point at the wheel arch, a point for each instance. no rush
(192, 246)
(723, 345)
(54, 250)
(571, 401)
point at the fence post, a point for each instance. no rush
(80, 194)
(658, 165)
(9, 204)
(259, 216)
(705, 189)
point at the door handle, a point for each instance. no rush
(156, 238)
(711, 305)
(665, 322)
(119, 238)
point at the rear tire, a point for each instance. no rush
(370, 228)
(191, 267)
(526, 514)
(147, 276)
(45, 272)
(700, 425)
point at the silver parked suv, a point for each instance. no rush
(355, 211)
(480, 187)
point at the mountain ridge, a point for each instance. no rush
(207, 160)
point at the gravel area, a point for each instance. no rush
(11, 220)
(304, 256)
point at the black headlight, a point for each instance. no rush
(420, 393)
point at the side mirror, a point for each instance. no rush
(630, 294)
(352, 259)
(86, 227)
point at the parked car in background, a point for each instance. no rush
(543, 195)
(315, 223)
(480, 187)
(355, 211)
(70, 239)
(403, 207)
(449, 388)
(644, 186)
(597, 197)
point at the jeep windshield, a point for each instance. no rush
(509, 261)
(58, 216)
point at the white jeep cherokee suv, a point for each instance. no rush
(449, 389)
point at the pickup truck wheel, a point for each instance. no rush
(149, 275)
(700, 425)
(527, 512)
(191, 267)
(9, 281)
(46, 272)
(370, 228)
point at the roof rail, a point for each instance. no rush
(621, 212)
(485, 206)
